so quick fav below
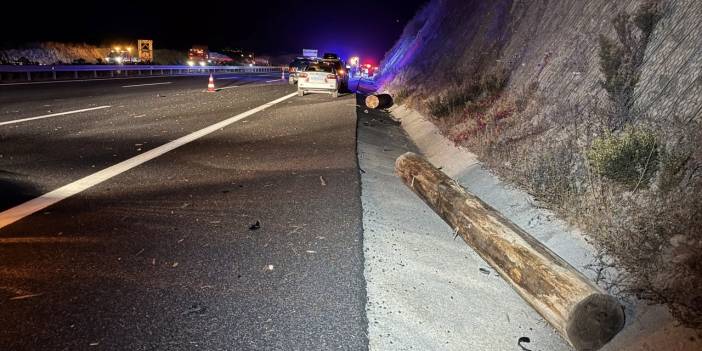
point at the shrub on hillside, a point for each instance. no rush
(629, 158)
(469, 95)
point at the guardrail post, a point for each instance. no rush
(112, 73)
(53, 74)
(29, 76)
(95, 74)
(75, 74)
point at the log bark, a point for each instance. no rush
(582, 312)
(378, 101)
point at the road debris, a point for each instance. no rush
(195, 308)
(255, 226)
(321, 179)
(521, 340)
(270, 267)
(484, 271)
(27, 296)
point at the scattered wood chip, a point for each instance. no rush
(321, 179)
(27, 296)
(484, 271)
(311, 252)
(270, 267)
(175, 264)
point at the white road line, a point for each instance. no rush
(37, 204)
(274, 80)
(143, 85)
(53, 115)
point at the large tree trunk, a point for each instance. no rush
(584, 314)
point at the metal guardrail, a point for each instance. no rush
(124, 70)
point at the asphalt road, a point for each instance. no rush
(246, 238)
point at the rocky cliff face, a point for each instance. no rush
(593, 106)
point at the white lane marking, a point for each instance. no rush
(274, 80)
(243, 86)
(53, 115)
(37, 204)
(143, 85)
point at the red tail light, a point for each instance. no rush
(302, 75)
(292, 69)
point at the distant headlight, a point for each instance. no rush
(118, 59)
(203, 63)
(191, 63)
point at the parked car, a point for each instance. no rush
(299, 65)
(320, 77)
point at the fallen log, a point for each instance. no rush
(378, 101)
(583, 313)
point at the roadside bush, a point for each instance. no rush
(672, 169)
(472, 95)
(630, 158)
(401, 95)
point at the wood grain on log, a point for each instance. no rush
(584, 314)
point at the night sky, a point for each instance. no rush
(366, 28)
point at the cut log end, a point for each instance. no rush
(378, 101)
(595, 321)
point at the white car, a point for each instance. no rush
(319, 77)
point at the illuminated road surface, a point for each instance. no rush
(246, 237)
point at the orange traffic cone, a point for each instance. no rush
(210, 85)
